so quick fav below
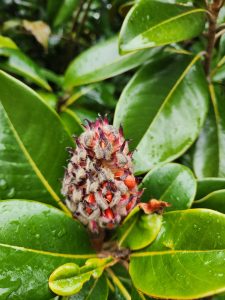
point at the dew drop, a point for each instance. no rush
(61, 233)
(3, 184)
(11, 193)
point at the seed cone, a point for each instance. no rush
(99, 184)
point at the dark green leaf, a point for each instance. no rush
(208, 185)
(84, 113)
(137, 295)
(63, 10)
(95, 289)
(211, 143)
(71, 121)
(155, 23)
(187, 260)
(49, 98)
(172, 183)
(214, 200)
(138, 229)
(18, 63)
(33, 142)
(168, 101)
(219, 297)
(103, 61)
(219, 73)
(35, 239)
(120, 292)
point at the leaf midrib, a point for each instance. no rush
(92, 289)
(35, 167)
(119, 284)
(42, 252)
(168, 21)
(171, 92)
(165, 252)
(116, 61)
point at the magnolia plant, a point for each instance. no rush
(138, 210)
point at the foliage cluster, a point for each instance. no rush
(64, 61)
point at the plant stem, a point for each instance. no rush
(82, 22)
(119, 284)
(75, 22)
(213, 12)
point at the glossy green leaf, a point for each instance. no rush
(206, 186)
(69, 278)
(6, 42)
(211, 142)
(221, 50)
(168, 100)
(49, 98)
(214, 200)
(35, 239)
(187, 260)
(71, 121)
(52, 8)
(172, 183)
(103, 61)
(92, 290)
(138, 229)
(154, 23)
(219, 73)
(84, 113)
(33, 142)
(18, 63)
(52, 77)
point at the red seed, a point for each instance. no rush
(119, 173)
(130, 181)
(128, 207)
(124, 197)
(130, 204)
(109, 196)
(102, 144)
(108, 213)
(88, 210)
(105, 184)
(91, 199)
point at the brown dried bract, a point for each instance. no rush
(154, 206)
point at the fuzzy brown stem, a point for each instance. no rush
(213, 12)
(97, 239)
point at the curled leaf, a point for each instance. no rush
(69, 278)
(40, 30)
(138, 229)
